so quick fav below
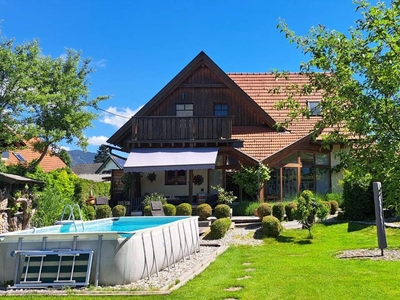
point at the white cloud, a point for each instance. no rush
(101, 63)
(97, 140)
(116, 117)
(66, 148)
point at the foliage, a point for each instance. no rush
(84, 187)
(252, 179)
(49, 207)
(118, 211)
(278, 211)
(152, 176)
(204, 211)
(198, 179)
(103, 153)
(154, 197)
(290, 210)
(65, 157)
(147, 210)
(264, 209)
(222, 211)
(271, 226)
(358, 75)
(224, 197)
(90, 212)
(103, 211)
(169, 209)
(335, 196)
(358, 197)
(334, 207)
(219, 228)
(308, 208)
(184, 209)
(245, 208)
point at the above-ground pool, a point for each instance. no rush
(103, 252)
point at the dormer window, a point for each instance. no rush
(221, 110)
(314, 107)
(184, 110)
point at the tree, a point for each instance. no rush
(65, 157)
(252, 179)
(102, 154)
(44, 98)
(358, 75)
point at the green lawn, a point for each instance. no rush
(293, 267)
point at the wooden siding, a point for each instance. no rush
(181, 128)
(203, 89)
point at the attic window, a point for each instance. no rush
(184, 110)
(5, 155)
(314, 107)
(221, 109)
(19, 156)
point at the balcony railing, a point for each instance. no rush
(181, 128)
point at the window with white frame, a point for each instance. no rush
(184, 110)
(314, 107)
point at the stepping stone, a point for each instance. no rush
(233, 289)
(250, 270)
(244, 277)
(246, 264)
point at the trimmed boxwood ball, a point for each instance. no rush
(222, 211)
(204, 211)
(290, 210)
(334, 207)
(169, 209)
(103, 211)
(219, 228)
(278, 211)
(264, 209)
(184, 209)
(271, 226)
(147, 210)
(119, 211)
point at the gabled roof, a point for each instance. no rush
(199, 60)
(49, 163)
(118, 161)
(86, 168)
(261, 142)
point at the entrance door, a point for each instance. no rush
(289, 181)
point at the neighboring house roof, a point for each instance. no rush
(86, 168)
(115, 162)
(26, 155)
(261, 142)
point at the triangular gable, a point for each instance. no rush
(200, 60)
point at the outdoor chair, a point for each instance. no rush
(156, 208)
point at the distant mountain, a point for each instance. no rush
(80, 157)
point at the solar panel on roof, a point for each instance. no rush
(19, 156)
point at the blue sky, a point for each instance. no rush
(138, 46)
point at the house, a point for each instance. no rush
(205, 123)
(25, 154)
(99, 171)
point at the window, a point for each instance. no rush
(184, 110)
(5, 155)
(314, 107)
(176, 177)
(221, 110)
(19, 156)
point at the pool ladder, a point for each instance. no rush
(71, 216)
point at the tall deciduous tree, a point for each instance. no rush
(44, 97)
(358, 74)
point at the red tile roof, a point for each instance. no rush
(261, 142)
(49, 162)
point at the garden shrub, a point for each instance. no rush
(335, 196)
(90, 212)
(119, 211)
(290, 210)
(278, 211)
(103, 211)
(245, 208)
(219, 228)
(222, 211)
(154, 197)
(184, 209)
(147, 210)
(271, 226)
(169, 209)
(327, 204)
(264, 209)
(358, 198)
(334, 207)
(204, 211)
